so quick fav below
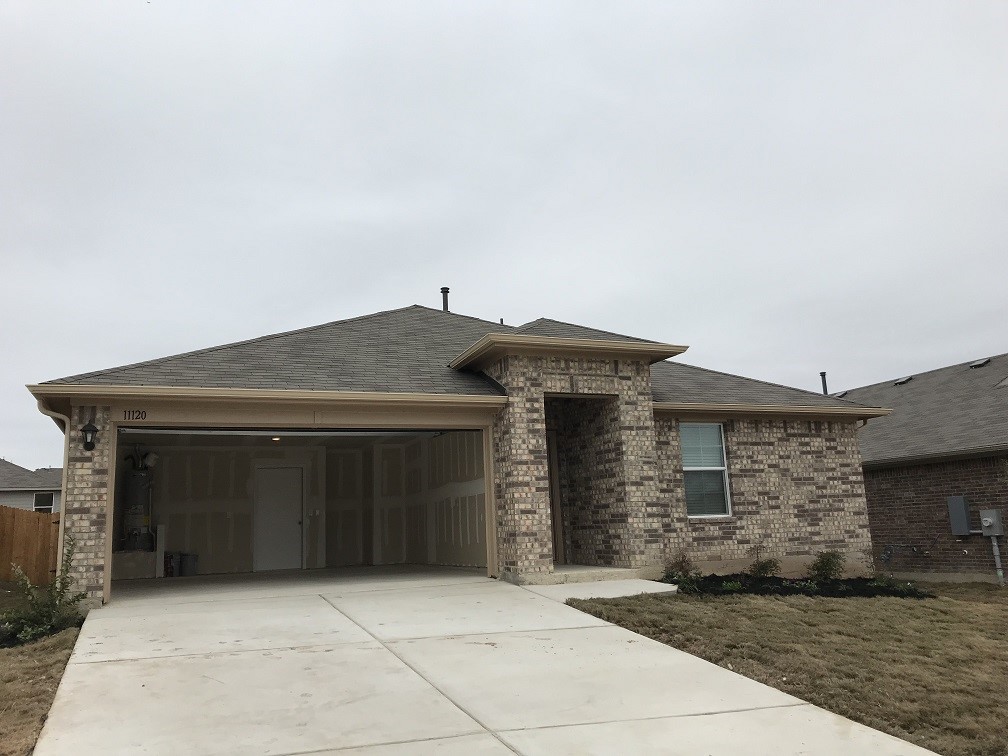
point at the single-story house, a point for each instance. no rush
(39, 490)
(947, 436)
(419, 435)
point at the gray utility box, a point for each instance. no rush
(959, 515)
(990, 522)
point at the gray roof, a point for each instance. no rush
(16, 478)
(955, 410)
(547, 327)
(401, 351)
(679, 382)
(408, 350)
(50, 477)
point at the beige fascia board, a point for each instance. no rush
(781, 410)
(496, 345)
(265, 396)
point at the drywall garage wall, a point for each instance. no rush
(204, 496)
(430, 501)
(416, 499)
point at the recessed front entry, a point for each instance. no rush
(277, 518)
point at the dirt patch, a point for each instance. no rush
(931, 672)
(29, 675)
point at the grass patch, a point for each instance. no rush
(29, 675)
(932, 672)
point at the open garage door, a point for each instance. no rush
(216, 501)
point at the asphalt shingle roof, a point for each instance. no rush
(400, 351)
(945, 412)
(16, 478)
(408, 350)
(547, 327)
(679, 382)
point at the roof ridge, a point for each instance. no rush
(460, 315)
(928, 372)
(766, 383)
(580, 325)
(207, 350)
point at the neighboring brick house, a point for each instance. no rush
(22, 488)
(424, 436)
(947, 436)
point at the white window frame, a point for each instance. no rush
(52, 502)
(724, 476)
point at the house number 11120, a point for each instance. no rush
(134, 414)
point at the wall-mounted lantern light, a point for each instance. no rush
(89, 434)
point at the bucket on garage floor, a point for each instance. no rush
(171, 563)
(187, 566)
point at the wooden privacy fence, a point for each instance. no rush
(31, 541)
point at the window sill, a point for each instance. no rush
(710, 518)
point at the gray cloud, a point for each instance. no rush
(786, 188)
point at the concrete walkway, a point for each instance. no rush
(406, 661)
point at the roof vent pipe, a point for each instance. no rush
(444, 298)
(822, 374)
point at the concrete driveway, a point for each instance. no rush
(406, 661)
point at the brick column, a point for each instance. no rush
(521, 484)
(86, 501)
(645, 508)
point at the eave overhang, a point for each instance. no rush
(937, 457)
(493, 346)
(63, 395)
(770, 410)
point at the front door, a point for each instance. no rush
(277, 516)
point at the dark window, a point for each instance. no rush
(44, 502)
(705, 476)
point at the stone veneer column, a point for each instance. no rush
(86, 500)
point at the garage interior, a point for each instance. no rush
(206, 502)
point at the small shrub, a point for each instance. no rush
(681, 571)
(731, 586)
(47, 609)
(826, 567)
(764, 568)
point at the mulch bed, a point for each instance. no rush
(744, 583)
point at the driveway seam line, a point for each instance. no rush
(423, 677)
(381, 743)
(223, 652)
(658, 716)
(495, 632)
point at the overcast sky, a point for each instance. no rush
(787, 187)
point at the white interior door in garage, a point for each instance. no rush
(277, 518)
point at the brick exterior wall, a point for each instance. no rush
(908, 513)
(521, 481)
(592, 500)
(796, 489)
(85, 501)
(796, 486)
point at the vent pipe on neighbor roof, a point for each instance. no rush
(444, 298)
(822, 374)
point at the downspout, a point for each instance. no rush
(63, 422)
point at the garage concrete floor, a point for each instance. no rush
(406, 661)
